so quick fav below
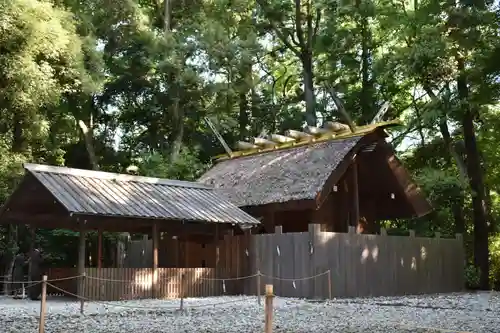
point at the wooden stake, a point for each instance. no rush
(329, 284)
(183, 288)
(41, 323)
(268, 310)
(258, 287)
(82, 297)
(155, 261)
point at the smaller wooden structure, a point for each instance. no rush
(333, 178)
(82, 200)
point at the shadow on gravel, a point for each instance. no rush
(395, 304)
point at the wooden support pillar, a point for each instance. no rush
(177, 252)
(354, 193)
(32, 249)
(99, 249)
(247, 264)
(155, 261)
(81, 260)
(217, 252)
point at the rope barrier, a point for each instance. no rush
(51, 280)
(216, 279)
(296, 279)
(15, 291)
(156, 308)
(231, 279)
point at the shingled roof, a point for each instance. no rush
(86, 192)
(279, 176)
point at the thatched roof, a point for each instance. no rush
(281, 175)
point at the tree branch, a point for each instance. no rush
(341, 108)
(310, 29)
(316, 27)
(281, 35)
(298, 24)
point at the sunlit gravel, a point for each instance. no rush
(479, 312)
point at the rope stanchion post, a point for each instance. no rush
(43, 305)
(268, 310)
(182, 291)
(258, 287)
(329, 284)
(82, 291)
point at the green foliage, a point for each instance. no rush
(144, 91)
(495, 261)
(186, 167)
(10, 170)
(471, 276)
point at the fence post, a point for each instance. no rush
(412, 233)
(268, 311)
(183, 283)
(329, 284)
(258, 287)
(41, 323)
(82, 296)
(383, 232)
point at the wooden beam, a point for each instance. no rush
(99, 249)
(81, 260)
(116, 224)
(217, 252)
(39, 220)
(32, 249)
(354, 193)
(155, 261)
(293, 205)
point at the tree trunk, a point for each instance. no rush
(18, 139)
(366, 96)
(89, 143)
(456, 206)
(309, 96)
(245, 91)
(243, 120)
(475, 173)
(178, 131)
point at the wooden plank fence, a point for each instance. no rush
(305, 265)
(114, 284)
(297, 264)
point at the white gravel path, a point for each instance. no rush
(476, 313)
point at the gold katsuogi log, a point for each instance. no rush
(335, 126)
(316, 131)
(298, 135)
(264, 143)
(278, 138)
(243, 145)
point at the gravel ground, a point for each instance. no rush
(478, 313)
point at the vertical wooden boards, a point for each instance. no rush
(360, 265)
